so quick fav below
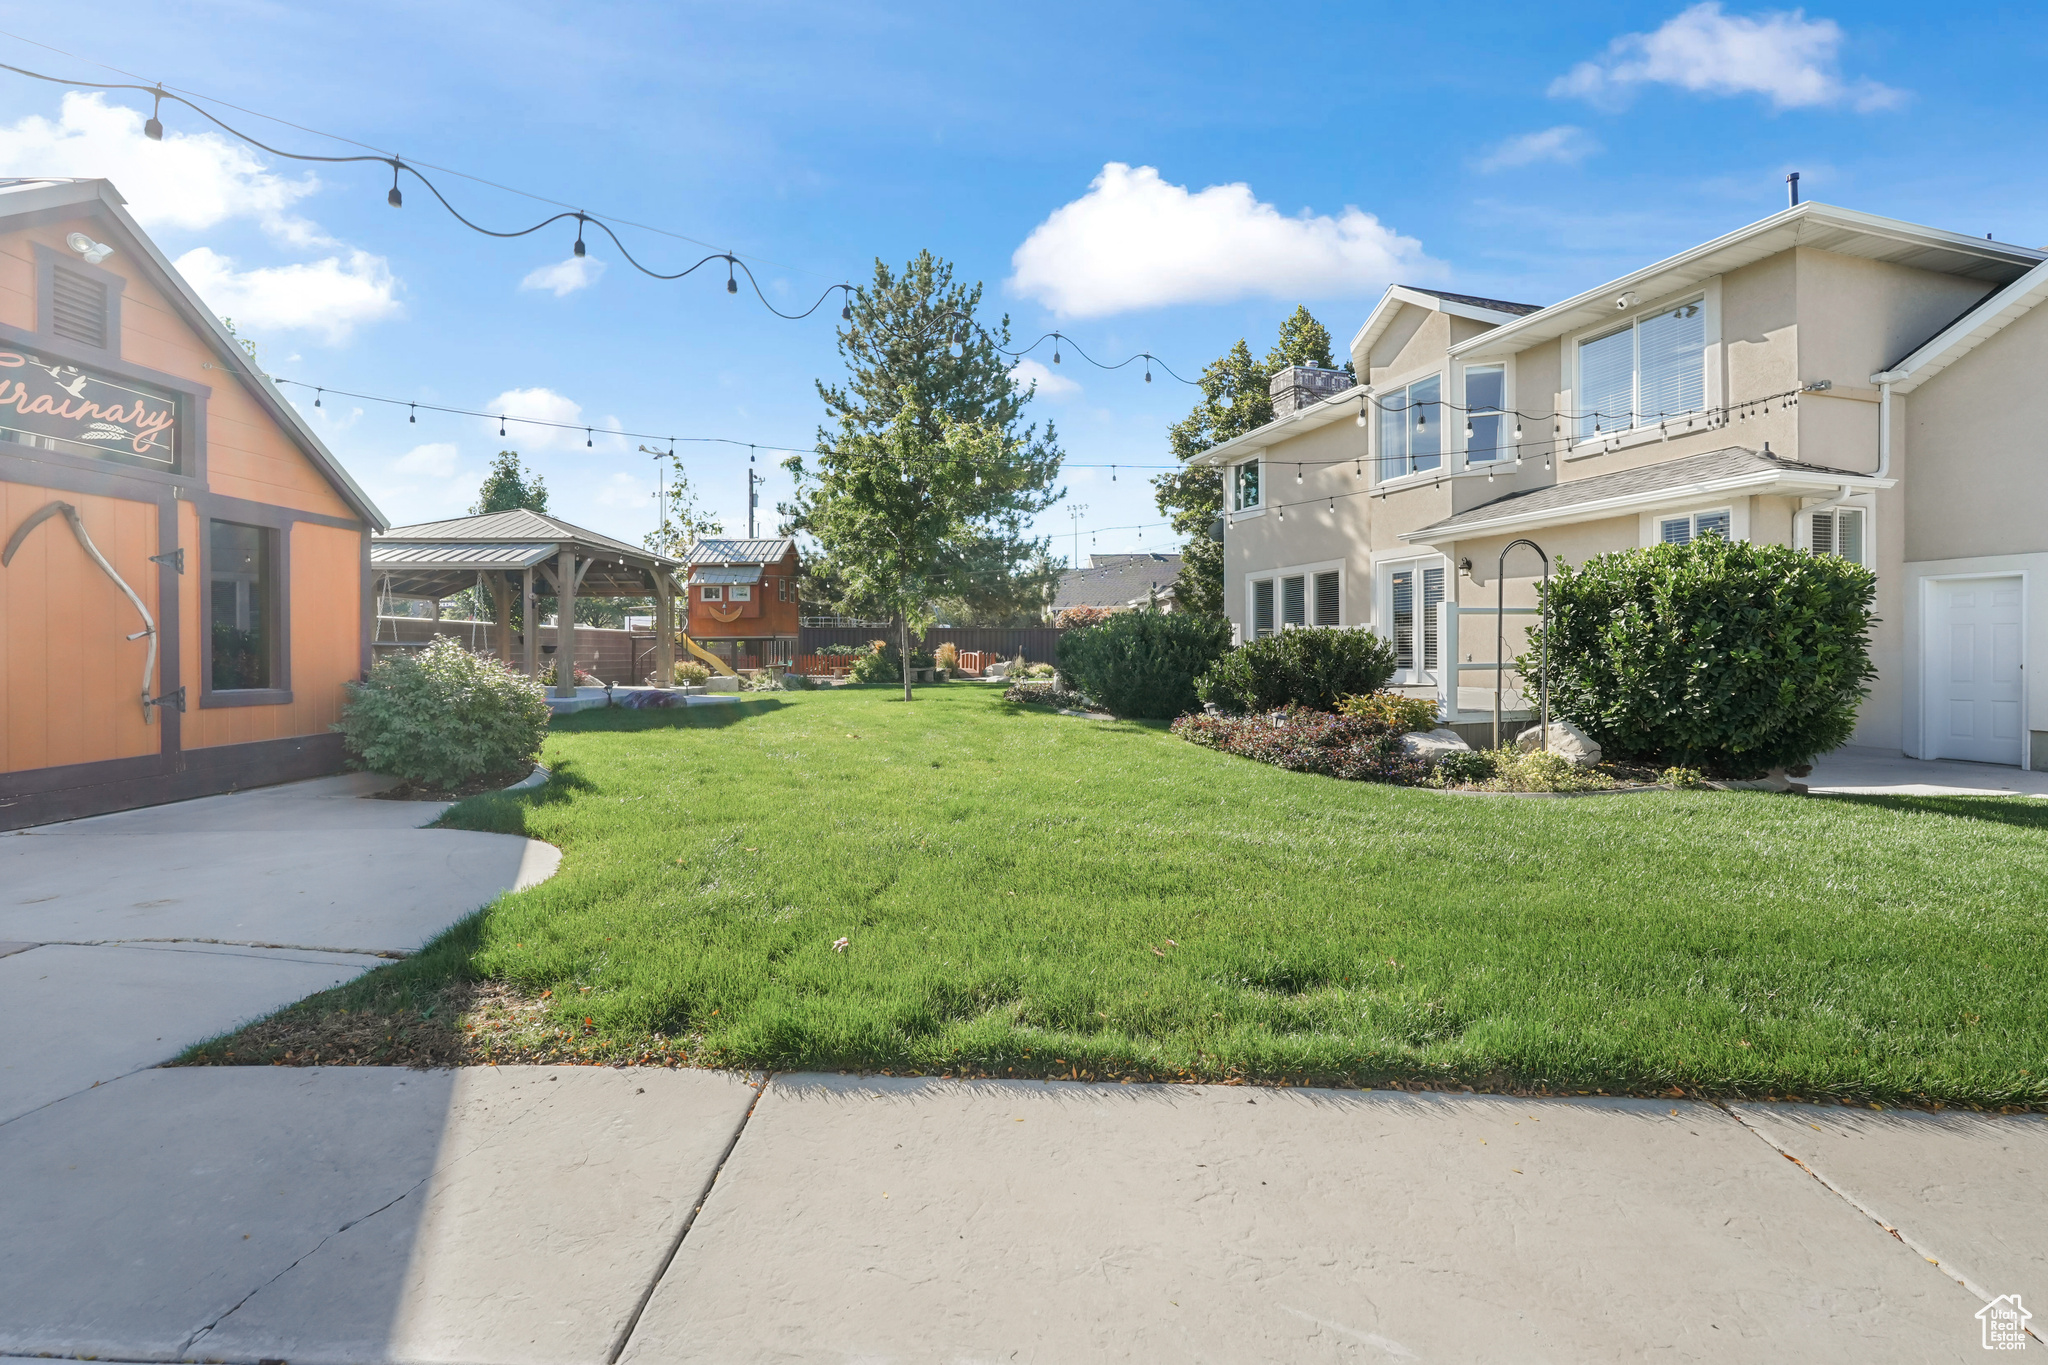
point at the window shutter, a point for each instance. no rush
(1328, 599)
(78, 308)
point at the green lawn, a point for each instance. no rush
(1033, 894)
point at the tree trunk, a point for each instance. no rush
(903, 633)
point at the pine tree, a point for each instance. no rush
(505, 488)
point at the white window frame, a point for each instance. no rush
(1447, 450)
(1383, 598)
(740, 592)
(1230, 486)
(1507, 451)
(1737, 510)
(1307, 573)
(1802, 524)
(710, 592)
(1711, 388)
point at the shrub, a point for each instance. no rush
(1404, 713)
(878, 665)
(1681, 779)
(1080, 618)
(1312, 668)
(1728, 656)
(843, 651)
(947, 656)
(583, 679)
(443, 717)
(1305, 741)
(1044, 694)
(690, 671)
(1144, 663)
(1465, 769)
(1506, 770)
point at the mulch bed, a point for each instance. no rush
(410, 790)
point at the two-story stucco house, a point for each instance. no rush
(1826, 379)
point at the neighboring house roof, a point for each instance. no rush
(728, 550)
(1991, 315)
(1120, 582)
(1733, 470)
(519, 524)
(1823, 227)
(49, 199)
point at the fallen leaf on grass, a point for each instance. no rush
(1157, 953)
(839, 945)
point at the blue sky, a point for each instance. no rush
(1143, 177)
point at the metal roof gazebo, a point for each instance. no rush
(437, 559)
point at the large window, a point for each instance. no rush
(1412, 428)
(1645, 372)
(1244, 486)
(1684, 530)
(1414, 593)
(1262, 608)
(1486, 427)
(241, 580)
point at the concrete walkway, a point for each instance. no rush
(126, 938)
(1855, 770)
(544, 1214)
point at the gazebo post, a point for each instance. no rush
(664, 628)
(565, 622)
(532, 631)
(501, 603)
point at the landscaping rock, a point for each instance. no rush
(997, 671)
(1434, 744)
(718, 682)
(1567, 741)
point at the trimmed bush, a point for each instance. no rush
(1403, 713)
(1144, 664)
(690, 671)
(878, 665)
(1727, 656)
(443, 717)
(1313, 668)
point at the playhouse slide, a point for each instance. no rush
(718, 665)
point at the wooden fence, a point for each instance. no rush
(1038, 644)
(617, 656)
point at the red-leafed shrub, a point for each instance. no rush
(1079, 618)
(1354, 748)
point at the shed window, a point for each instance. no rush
(740, 592)
(241, 582)
(708, 593)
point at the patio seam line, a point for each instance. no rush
(186, 1346)
(74, 1095)
(689, 1220)
(1872, 1214)
(392, 953)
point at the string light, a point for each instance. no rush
(395, 199)
(413, 413)
(586, 438)
(579, 235)
(732, 285)
(317, 395)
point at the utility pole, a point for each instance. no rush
(753, 500)
(1074, 510)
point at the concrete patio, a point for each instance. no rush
(1855, 770)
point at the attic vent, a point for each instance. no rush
(78, 308)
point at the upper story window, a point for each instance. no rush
(1486, 428)
(1412, 428)
(1644, 371)
(1244, 489)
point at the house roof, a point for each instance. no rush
(727, 550)
(49, 200)
(1474, 300)
(1991, 315)
(1733, 470)
(1119, 582)
(1813, 224)
(1472, 306)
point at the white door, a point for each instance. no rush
(1974, 670)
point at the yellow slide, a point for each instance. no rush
(717, 664)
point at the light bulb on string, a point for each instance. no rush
(846, 303)
(586, 438)
(579, 249)
(1518, 428)
(1421, 420)
(1333, 503)
(1055, 348)
(395, 199)
(154, 128)
(1468, 428)
(414, 414)
(316, 396)
(1361, 412)
(1112, 473)
(501, 425)
(732, 285)
(1297, 473)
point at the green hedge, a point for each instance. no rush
(1313, 668)
(1143, 663)
(1729, 656)
(443, 716)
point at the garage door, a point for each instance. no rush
(1975, 672)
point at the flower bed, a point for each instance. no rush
(1045, 694)
(1354, 748)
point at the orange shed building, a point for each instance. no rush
(743, 600)
(185, 585)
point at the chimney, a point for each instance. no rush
(1792, 190)
(1303, 386)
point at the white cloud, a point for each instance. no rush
(1564, 145)
(543, 404)
(623, 490)
(436, 460)
(188, 181)
(1780, 54)
(1050, 385)
(1135, 241)
(566, 277)
(331, 297)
